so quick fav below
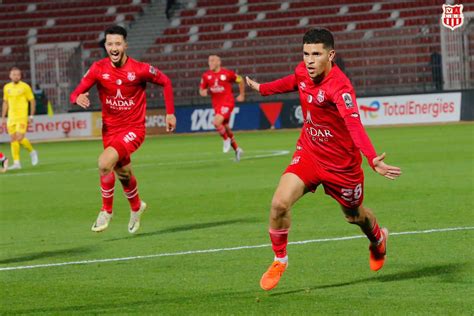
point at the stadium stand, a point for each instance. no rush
(24, 23)
(385, 45)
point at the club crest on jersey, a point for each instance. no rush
(131, 76)
(209, 77)
(452, 16)
(105, 76)
(223, 77)
(119, 82)
(320, 96)
(347, 100)
(152, 70)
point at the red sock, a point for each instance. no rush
(130, 189)
(232, 140)
(107, 184)
(373, 233)
(221, 130)
(279, 238)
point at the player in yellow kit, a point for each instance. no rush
(16, 96)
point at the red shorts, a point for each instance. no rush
(346, 188)
(225, 111)
(124, 141)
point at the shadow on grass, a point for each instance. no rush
(442, 270)
(184, 228)
(47, 254)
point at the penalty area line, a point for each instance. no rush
(192, 252)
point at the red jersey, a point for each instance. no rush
(122, 91)
(220, 86)
(332, 129)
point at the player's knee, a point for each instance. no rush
(217, 124)
(279, 207)
(105, 167)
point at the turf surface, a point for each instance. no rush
(199, 199)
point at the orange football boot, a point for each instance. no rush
(271, 278)
(377, 252)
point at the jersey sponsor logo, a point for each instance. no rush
(317, 132)
(347, 100)
(118, 102)
(223, 77)
(320, 96)
(202, 119)
(452, 16)
(131, 76)
(106, 76)
(152, 70)
(216, 88)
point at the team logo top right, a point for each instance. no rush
(452, 16)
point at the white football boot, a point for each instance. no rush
(134, 223)
(102, 222)
(16, 166)
(238, 154)
(34, 157)
(226, 146)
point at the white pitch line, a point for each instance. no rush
(192, 252)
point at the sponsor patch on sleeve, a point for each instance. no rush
(153, 70)
(348, 100)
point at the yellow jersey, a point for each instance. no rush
(17, 95)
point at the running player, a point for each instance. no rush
(217, 82)
(327, 151)
(121, 82)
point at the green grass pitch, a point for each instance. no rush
(199, 199)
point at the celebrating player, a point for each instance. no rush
(218, 82)
(16, 96)
(327, 151)
(121, 83)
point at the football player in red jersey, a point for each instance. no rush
(121, 82)
(217, 82)
(327, 151)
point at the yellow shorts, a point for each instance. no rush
(17, 126)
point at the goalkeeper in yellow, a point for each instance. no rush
(16, 96)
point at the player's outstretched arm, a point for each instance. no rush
(389, 172)
(252, 84)
(83, 100)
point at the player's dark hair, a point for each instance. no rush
(116, 30)
(15, 68)
(319, 36)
